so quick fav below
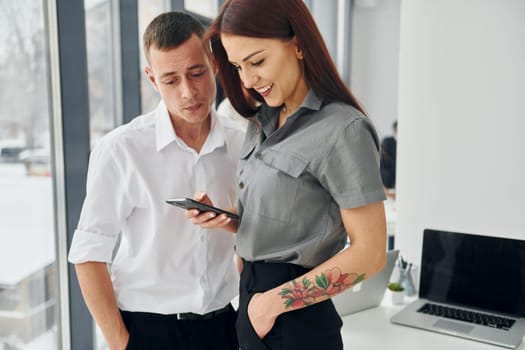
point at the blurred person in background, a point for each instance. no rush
(388, 162)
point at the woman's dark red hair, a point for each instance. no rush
(278, 19)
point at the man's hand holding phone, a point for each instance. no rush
(207, 216)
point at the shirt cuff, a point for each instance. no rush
(88, 246)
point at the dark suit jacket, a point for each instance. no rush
(388, 162)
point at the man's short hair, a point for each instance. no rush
(169, 30)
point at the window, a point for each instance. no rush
(28, 296)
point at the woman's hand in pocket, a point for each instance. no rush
(262, 321)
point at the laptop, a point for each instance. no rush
(367, 294)
(471, 286)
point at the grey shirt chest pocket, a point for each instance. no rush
(275, 184)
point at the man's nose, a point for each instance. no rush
(188, 89)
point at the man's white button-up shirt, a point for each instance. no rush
(158, 260)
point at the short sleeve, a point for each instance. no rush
(350, 170)
(104, 211)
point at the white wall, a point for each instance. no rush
(374, 59)
(461, 146)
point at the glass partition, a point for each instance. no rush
(205, 8)
(148, 9)
(101, 47)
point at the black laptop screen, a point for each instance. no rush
(476, 271)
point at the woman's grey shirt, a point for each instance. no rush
(293, 180)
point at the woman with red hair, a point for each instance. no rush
(308, 178)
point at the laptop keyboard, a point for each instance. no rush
(488, 320)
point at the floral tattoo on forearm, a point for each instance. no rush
(329, 283)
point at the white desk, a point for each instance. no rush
(372, 330)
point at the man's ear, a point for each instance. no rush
(151, 77)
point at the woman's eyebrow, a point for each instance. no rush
(251, 55)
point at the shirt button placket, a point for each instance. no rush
(257, 155)
(200, 185)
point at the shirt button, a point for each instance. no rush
(203, 238)
(258, 155)
(241, 185)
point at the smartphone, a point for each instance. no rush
(188, 203)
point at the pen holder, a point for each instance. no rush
(406, 280)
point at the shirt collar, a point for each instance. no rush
(165, 134)
(216, 137)
(269, 116)
(312, 101)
